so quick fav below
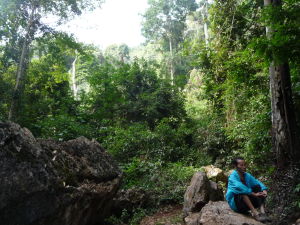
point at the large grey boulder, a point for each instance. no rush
(45, 182)
(199, 193)
(219, 213)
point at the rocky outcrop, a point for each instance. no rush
(45, 182)
(219, 213)
(200, 192)
(215, 174)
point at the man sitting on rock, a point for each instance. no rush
(245, 193)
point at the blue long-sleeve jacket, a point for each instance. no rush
(235, 186)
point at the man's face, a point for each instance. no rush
(241, 166)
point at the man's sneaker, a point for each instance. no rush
(265, 217)
(259, 218)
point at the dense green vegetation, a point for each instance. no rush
(196, 93)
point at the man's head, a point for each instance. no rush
(239, 164)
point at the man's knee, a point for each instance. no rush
(245, 197)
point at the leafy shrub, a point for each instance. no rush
(125, 143)
(127, 218)
(171, 140)
(167, 182)
(63, 127)
(297, 192)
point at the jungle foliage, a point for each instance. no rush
(196, 93)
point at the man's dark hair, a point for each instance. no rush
(235, 161)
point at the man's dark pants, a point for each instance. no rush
(256, 201)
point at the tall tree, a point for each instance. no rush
(119, 53)
(164, 21)
(204, 14)
(26, 17)
(73, 76)
(284, 129)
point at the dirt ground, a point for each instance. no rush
(169, 215)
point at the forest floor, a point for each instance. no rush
(168, 215)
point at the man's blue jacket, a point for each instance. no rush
(235, 186)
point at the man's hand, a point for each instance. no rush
(258, 194)
(265, 193)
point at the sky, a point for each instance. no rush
(117, 22)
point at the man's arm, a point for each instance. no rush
(254, 181)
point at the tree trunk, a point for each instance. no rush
(169, 33)
(204, 14)
(284, 141)
(171, 61)
(21, 71)
(73, 73)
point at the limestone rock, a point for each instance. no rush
(219, 213)
(214, 173)
(200, 192)
(45, 182)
